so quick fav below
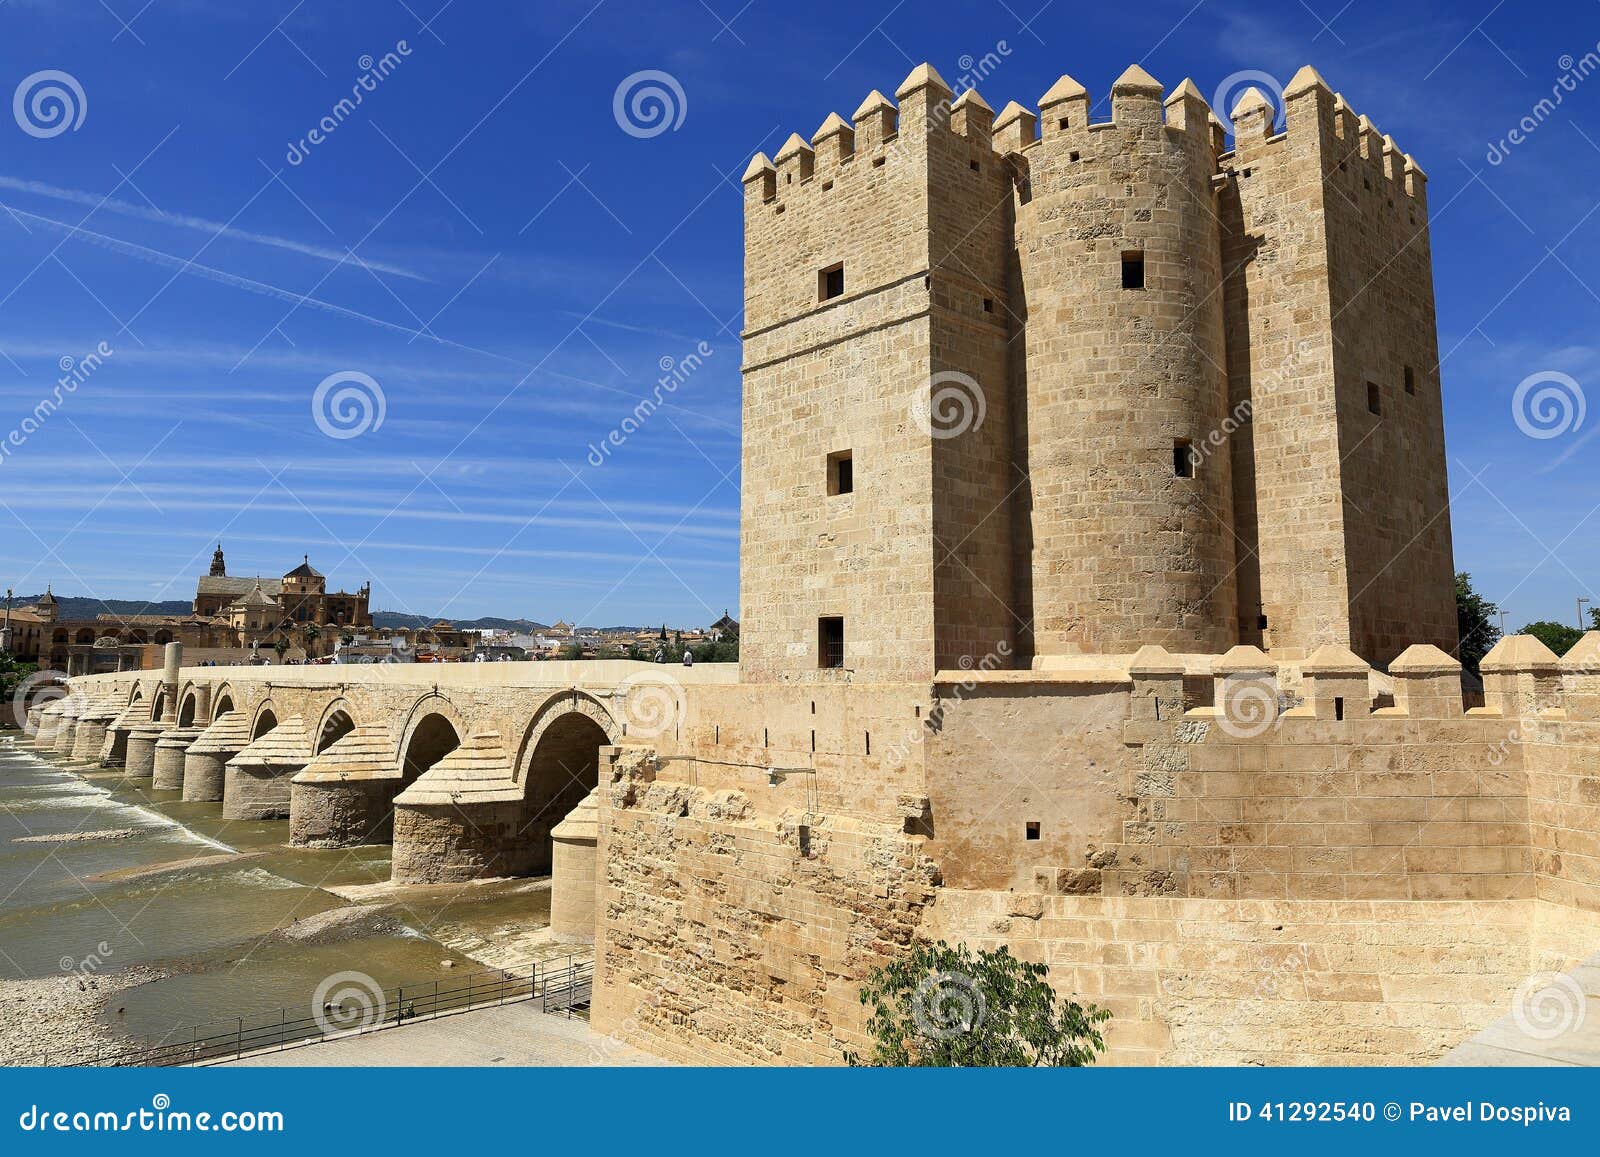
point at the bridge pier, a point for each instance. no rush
(91, 736)
(67, 724)
(206, 760)
(257, 779)
(574, 871)
(345, 796)
(140, 762)
(463, 819)
(114, 750)
(171, 752)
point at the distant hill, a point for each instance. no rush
(75, 607)
(393, 619)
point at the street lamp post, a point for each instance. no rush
(1581, 602)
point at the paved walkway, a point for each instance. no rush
(1569, 1001)
(516, 1035)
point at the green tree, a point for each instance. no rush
(943, 1006)
(1476, 623)
(572, 651)
(12, 675)
(1559, 637)
(1594, 618)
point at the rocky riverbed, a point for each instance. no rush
(66, 1019)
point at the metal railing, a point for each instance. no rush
(562, 989)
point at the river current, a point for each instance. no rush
(236, 922)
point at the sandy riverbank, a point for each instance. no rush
(56, 1020)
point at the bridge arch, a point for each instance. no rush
(188, 705)
(434, 728)
(336, 722)
(558, 765)
(222, 701)
(264, 719)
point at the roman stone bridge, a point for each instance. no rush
(1179, 836)
(468, 769)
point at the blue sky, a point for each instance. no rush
(483, 240)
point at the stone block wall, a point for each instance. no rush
(732, 934)
(1277, 982)
(341, 815)
(439, 845)
(1379, 807)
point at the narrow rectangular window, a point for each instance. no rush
(1133, 269)
(1411, 380)
(830, 641)
(841, 473)
(1064, 123)
(1374, 398)
(830, 282)
(1032, 830)
(1182, 459)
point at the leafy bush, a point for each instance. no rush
(944, 1006)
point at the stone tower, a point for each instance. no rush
(219, 568)
(1025, 387)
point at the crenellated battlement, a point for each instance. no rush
(1175, 346)
(1062, 121)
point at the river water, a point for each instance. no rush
(225, 931)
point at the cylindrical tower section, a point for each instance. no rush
(1119, 259)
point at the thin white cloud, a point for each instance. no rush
(546, 521)
(186, 221)
(238, 281)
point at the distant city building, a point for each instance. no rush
(235, 620)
